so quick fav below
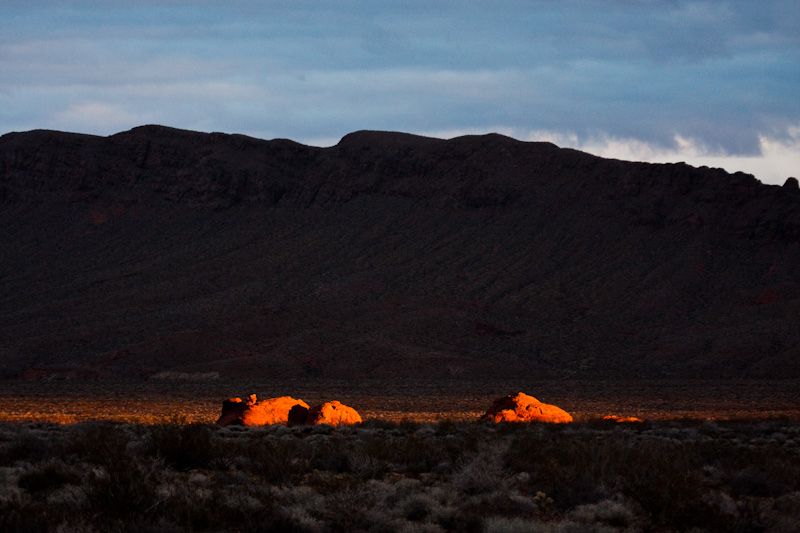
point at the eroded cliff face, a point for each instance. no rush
(388, 254)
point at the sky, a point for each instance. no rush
(714, 82)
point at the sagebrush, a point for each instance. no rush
(379, 476)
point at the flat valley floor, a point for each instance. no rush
(158, 401)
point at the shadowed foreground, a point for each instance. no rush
(596, 476)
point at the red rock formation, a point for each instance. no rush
(232, 410)
(618, 418)
(333, 413)
(283, 410)
(524, 408)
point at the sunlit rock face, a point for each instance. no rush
(617, 418)
(283, 410)
(333, 413)
(524, 408)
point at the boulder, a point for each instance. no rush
(333, 413)
(282, 410)
(232, 410)
(524, 408)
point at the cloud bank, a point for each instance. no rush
(707, 82)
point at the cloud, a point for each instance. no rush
(97, 116)
(722, 75)
(778, 157)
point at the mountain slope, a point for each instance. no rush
(386, 255)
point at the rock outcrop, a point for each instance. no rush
(282, 410)
(620, 419)
(524, 408)
(333, 413)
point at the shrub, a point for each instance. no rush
(50, 476)
(482, 473)
(671, 476)
(183, 447)
(613, 513)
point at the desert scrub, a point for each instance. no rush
(183, 447)
(588, 476)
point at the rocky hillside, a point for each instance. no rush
(386, 255)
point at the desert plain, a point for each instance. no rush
(148, 276)
(199, 401)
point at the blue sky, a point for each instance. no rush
(712, 83)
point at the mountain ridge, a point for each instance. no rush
(166, 160)
(159, 249)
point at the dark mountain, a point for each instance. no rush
(387, 255)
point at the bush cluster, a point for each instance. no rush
(378, 476)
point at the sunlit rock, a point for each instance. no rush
(283, 410)
(333, 413)
(617, 418)
(524, 408)
(232, 410)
